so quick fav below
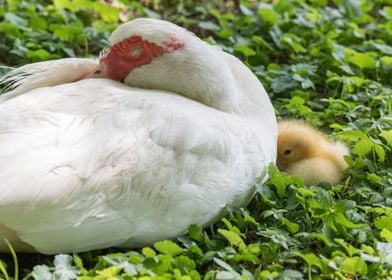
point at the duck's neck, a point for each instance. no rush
(211, 77)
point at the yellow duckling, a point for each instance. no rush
(306, 152)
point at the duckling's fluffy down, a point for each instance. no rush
(312, 155)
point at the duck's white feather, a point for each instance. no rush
(87, 164)
(98, 164)
(46, 73)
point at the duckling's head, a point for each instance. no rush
(296, 141)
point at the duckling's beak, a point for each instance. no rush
(280, 165)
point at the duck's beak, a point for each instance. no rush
(100, 72)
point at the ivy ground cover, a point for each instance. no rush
(329, 62)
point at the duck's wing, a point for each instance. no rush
(44, 74)
(96, 164)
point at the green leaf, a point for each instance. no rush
(383, 48)
(353, 265)
(363, 147)
(67, 32)
(109, 272)
(293, 41)
(388, 27)
(351, 250)
(360, 60)
(385, 250)
(15, 19)
(227, 268)
(148, 252)
(373, 178)
(292, 227)
(384, 222)
(168, 247)
(291, 274)
(247, 51)
(41, 272)
(38, 55)
(208, 25)
(63, 267)
(380, 152)
(234, 238)
(38, 23)
(344, 205)
(311, 259)
(107, 13)
(277, 179)
(340, 219)
(387, 61)
(387, 135)
(268, 15)
(386, 234)
(185, 264)
(195, 232)
(151, 14)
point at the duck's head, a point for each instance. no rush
(296, 141)
(140, 42)
(156, 54)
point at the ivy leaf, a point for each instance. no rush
(247, 51)
(292, 227)
(109, 272)
(38, 55)
(387, 135)
(353, 265)
(41, 272)
(344, 205)
(310, 258)
(291, 274)
(195, 232)
(277, 179)
(148, 252)
(387, 61)
(385, 250)
(208, 25)
(380, 152)
(268, 15)
(363, 147)
(386, 234)
(234, 238)
(361, 60)
(185, 264)
(108, 13)
(384, 222)
(16, 20)
(168, 247)
(283, 83)
(231, 272)
(63, 267)
(384, 48)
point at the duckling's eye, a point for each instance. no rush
(287, 152)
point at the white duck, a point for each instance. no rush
(93, 163)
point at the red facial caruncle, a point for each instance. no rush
(131, 53)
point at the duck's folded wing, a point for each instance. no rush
(45, 74)
(110, 169)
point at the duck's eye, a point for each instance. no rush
(287, 152)
(135, 52)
